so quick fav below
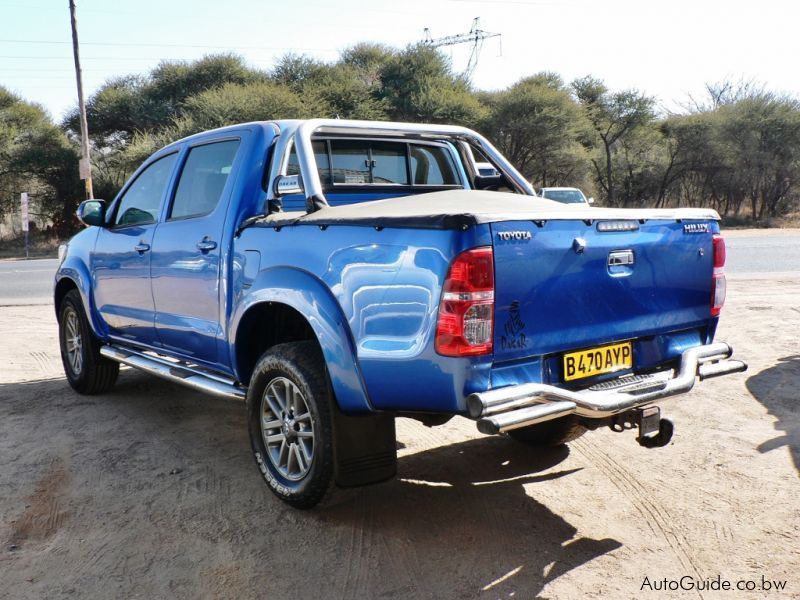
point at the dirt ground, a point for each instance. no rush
(150, 491)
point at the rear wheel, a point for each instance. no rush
(550, 433)
(87, 371)
(291, 430)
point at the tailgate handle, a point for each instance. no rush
(620, 258)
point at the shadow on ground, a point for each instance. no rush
(461, 514)
(778, 389)
(156, 494)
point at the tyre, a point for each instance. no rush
(291, 430)
(87, 371)
(550, 433)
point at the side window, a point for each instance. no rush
(432, 165)
(203, 179)
(350, 162)
(320, 156)
(356, 162)
(389, 163)
(141, 202)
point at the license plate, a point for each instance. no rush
(596, 361)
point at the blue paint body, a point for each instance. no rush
(371, 296)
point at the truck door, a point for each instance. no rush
(120, 263)
(186, 254)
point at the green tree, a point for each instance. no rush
(129, 104)
(419, 86)
(613, 115)
(296, 70)
(345, 94)
(762, 135)
(36, 157)
(367, 59)
(538, 126)
(236, 103)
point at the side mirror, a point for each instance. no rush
(590, 201)
(286, 185)
(489, 182)
(92, 213)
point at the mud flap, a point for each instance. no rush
(364, 449)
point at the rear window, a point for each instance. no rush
(352, 162)
(565, 196)
(389, 163)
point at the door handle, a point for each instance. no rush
(206, 245)
(141, 247)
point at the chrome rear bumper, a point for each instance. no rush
(511, 407)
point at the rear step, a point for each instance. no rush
(503, 409)
(178, 372)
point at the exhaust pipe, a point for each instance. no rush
(523, 417)
(511, 407)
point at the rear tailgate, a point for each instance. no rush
(556, 289)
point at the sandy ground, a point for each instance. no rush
(150, 491)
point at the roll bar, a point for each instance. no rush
(315, 198)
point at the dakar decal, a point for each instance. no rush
(514, 338)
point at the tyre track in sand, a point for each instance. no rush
(655, 514)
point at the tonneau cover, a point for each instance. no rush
(457, 209)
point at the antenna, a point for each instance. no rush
(475, 36)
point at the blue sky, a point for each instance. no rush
(666, 48)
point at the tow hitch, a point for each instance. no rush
(654, 432)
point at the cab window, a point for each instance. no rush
(432, 165)
(142, 200)
(203, 179)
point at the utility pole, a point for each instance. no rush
(23, 200)
(85, 164)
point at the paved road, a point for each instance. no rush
(763, 253)
(30, 281)
(27, 281)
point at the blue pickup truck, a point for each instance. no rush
(337, 274)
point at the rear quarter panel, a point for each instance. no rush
(386, 284)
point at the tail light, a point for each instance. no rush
(466, 312)
(718, 283)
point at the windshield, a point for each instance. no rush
(566, 196)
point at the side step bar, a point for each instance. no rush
(177, 372)
(511, 407)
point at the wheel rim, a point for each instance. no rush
(73, 341)
(287, 429)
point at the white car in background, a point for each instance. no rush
(486, 169)
(567, 195)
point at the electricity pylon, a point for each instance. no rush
(476, 36)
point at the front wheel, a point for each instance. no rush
(291, 430)
(87, 371)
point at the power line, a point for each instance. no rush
(145, 45)
(38, 70)
(32, 57)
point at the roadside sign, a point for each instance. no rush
(24, 205)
